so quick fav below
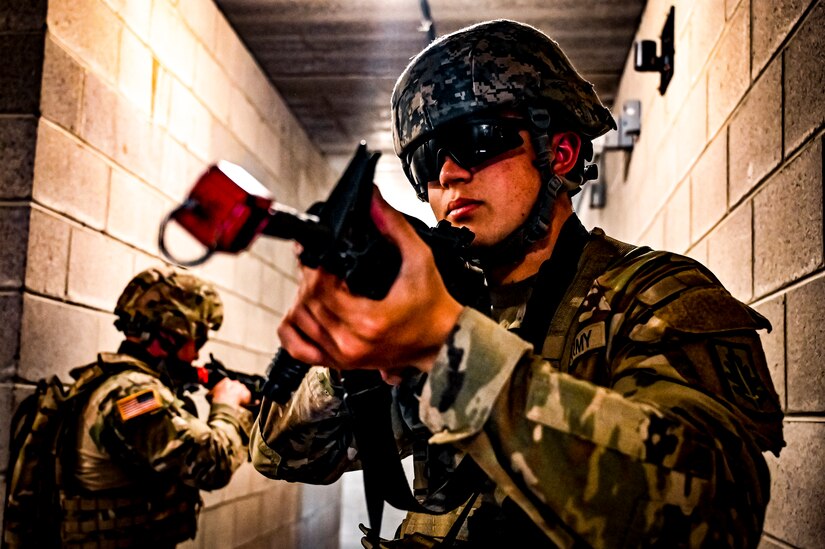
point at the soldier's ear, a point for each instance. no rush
(565, 147)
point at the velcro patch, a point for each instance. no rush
(140, 403)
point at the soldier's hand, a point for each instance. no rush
(328, 325)
(231, 392)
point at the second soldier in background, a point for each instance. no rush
(132, 456)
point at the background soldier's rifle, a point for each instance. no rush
(211, 373)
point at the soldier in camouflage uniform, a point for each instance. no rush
(142, 454)
(618, 396)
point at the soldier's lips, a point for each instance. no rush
(461, 209)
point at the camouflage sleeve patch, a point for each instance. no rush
(138, 404)
(608, 420)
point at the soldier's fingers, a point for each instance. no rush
(318, 275)
(300, 347)
(315, 321)
(334, 340)
(330, 301)
(318, 326)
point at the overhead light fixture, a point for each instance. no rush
(646, 60)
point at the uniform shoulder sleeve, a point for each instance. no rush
(685, 294)
(672, 306)
(144, 426)
(459, 396)
(307, 439)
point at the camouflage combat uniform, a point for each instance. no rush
(141, 456)
(618, 398)
(636, 417)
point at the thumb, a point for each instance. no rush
(390, 222)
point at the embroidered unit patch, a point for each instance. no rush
(140, 403)
(735, 366)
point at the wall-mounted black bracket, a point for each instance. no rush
(629, 127)
(598, 195)
(646, 60)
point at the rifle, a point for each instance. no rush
(211, 373)
(228, 208)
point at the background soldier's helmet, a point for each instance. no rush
(493, 65)
(162, 299)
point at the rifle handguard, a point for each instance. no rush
(284, 375)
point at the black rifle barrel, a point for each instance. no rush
(290, 224)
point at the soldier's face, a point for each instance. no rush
(492, 199)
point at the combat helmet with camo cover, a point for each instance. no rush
(179, 304)
(495, 66)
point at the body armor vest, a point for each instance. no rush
(153, 508)
(46, 508)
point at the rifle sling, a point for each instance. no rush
(553, 279)
(384, 477)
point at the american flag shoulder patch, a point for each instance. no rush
(140, 403)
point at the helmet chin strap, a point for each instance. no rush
(514, 246)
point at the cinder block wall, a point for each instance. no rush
(21, 49)
(109, 110)
(728, 169)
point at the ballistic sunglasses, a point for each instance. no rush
(470, 144)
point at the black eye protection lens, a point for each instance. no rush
(470, 145)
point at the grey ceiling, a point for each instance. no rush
(335, 61)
